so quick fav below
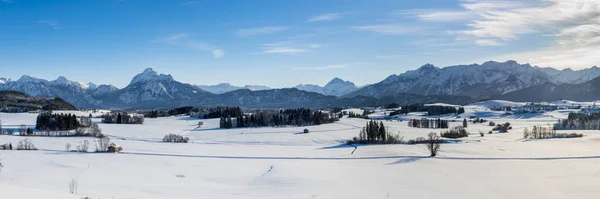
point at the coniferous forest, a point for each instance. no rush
(428, 123)
(580, 121)
(56, 122)
(287, 117)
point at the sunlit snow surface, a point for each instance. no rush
(285, 163)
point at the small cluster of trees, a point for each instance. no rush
(580, 121)
(479, 120)
(287, 117)
(56, 122)
(175, 138)
(375, 133)
(364, 115)
(502, 128)
(539, 132)
(122, 118)
(428, 123)
(454, 133)
(26, 144)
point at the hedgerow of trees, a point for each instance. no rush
(428, 123)
(539, 132)
(122, 118)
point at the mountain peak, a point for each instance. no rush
(150, 75)
(30, 79)
(427, 66)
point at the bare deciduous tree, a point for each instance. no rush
(102, 144)
(433, 144)
(26, 144)
(80, 131)
(83, 146)
(95, 130)
(22, 130)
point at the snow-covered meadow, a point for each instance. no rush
(286, 163)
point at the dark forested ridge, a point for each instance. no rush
(14, 101)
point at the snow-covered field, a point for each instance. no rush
(285, 163)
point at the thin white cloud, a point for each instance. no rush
(487, 42)
(171, 39)
(390, 29)
(54, 24)
(181, 39)
(188, 3)
(438, 15)
(322, 67)
(260, 30)
(392, 56)
(287, 48)
(325, 17)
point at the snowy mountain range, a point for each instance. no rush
(477, 81)
(461, 83)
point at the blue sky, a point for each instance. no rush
(284, 43)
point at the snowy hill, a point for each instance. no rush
(335, 87)
(477, 81)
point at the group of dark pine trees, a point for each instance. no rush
(580, 121)
(428, 123)
(122, 118)
(287, 117)
(56, 122)
(431, 110)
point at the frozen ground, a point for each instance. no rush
(284, 163)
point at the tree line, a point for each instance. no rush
(431, 110)
(428, 123)
(287, 117)
(580, 121)
(122, 118)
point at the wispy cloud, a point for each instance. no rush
(392, 56)
(325, 17)
(188, 3)
(54, 24)
(182, 39)
(572, 26)
(391, 29)
(171, 39)
(488, 42)
(327, 67)
(260, 30)
(287, 48)
(437, 15)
